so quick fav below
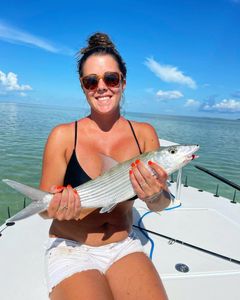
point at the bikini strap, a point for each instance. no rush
(140, 151)
(75, 142)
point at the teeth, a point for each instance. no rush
(103, 98)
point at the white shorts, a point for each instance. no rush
(66, 257)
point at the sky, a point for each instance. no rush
(182, 57)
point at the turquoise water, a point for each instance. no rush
(24, 129)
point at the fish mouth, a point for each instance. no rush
(191, 157)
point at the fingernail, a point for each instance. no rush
(133, 165)
(150, 162)
(137, 161)
(69, 186)
(75, 192)
(130, 172)
(59, 187)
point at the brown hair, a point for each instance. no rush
(100, 44)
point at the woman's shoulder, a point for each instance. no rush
(147, 133)
(143, 128)
(62, 135)
(62, 130)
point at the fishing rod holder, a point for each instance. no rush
(217, 194)
(234, 197)
(9, 212)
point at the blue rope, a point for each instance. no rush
(144, 232)
(170, 208)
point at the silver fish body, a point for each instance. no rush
(111, 188)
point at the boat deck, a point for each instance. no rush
(203, 234)
(197, 234)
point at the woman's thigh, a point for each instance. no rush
(135, 277)
(87, 285)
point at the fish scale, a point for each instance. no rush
(111, 188)
(116, 176)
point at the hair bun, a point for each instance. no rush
(98, 40)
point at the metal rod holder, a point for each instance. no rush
(217, 195)
(234, 197)
(9, 213)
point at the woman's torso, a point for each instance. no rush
(83, 164)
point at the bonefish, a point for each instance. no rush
(113, 186)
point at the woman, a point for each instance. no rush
(92, 255)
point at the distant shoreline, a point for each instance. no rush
(130, 113)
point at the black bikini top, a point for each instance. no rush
(75, 175)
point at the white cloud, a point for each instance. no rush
(226, 105)
(14, 35)
(191, 103)
(9, 82)
(169, 95)
(169, 73)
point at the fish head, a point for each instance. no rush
(175, 157)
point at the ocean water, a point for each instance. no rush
(24, 129)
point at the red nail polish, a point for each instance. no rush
(137, 161)
(59, 187)
(75, 192)
(133, 165)
(130, 172)
(150, 162)
(69, 186)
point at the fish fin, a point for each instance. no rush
(107, 163)
(33, 208)
(108, 209)
(28, 191)
(37, 196)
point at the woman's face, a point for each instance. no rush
(103, 99)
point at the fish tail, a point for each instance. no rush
(37, 196)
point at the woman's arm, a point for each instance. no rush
(153, 190)
(54, 162)
(65, 204)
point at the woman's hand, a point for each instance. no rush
(151, 187)
(65, 204)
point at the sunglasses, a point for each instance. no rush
(111, 79)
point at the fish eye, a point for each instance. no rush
(172, 150)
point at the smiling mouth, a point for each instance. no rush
(105, 98)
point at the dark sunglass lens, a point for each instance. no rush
(90, 82)
(112, 79)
